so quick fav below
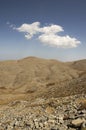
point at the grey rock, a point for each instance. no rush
(77, 122)
(83, 127)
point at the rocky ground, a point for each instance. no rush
(67, 113)
(35, 95)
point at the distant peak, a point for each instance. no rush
(30, 57)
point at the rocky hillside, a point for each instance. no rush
(39, 94)
(78, 65)
(33, 77)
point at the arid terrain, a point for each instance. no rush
(41, 94)
(33, 77)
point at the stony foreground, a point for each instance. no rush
(68, 113)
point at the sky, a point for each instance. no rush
(52, 29)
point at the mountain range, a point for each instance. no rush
(33, 77)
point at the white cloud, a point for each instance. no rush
(48, 35)
(11, 25)
(52, 29)
(29, 29)
(59, 41)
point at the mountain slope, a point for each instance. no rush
(78, 65)
(33, 77)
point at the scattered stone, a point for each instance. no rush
(64, 115)
(50, 110)
(77, 122)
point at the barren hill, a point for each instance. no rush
(78, 65)
(33, 77)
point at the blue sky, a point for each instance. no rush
(44, 15)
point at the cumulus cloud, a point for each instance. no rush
(52, 29)
(59, 41)
(29, 29)
(48, 35)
